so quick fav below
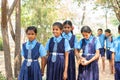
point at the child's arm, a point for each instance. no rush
(66, 66)
(86, 62)
(43, 63)
(78, 56)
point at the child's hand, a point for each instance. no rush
(81, 60)
(84, 62)
(64, 75)
(42, 72)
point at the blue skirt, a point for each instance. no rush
(30, 73)
(71, 66)
(55, 69)
(89, 72)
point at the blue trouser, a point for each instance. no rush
(117, 70)
(109, 54)
(102, 52)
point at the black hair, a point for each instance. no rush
(86, 29)
(58, 24)
(69, 23)
(108, 30)
(100, 29)
(119, 27)
(31, 28)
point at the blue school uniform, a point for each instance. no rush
(108, 45)
(71, 66)
(55, 63)
(116, 49)
(30, 69)
(89, 47)
(102, 41)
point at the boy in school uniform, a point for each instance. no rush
(116, 55)
(101, 38)
(109, 41)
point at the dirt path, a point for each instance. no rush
(103, 76)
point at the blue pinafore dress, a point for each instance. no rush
(31, 72)
(55, 68)
(71, 64)
(91, 71)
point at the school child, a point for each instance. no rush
(68, 34)
(57, 48)
(116, 55)
(31, 51)
(101, 38)
(90, 45)
(109, 41)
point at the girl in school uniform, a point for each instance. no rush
(68, 34)
(31, 51)
(57, 48)
(88, 66)
(116, 55)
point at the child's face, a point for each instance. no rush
(86, 35)
(107, 34)
(99, 32)
(56, 31)
(31, 35)
(67, 28)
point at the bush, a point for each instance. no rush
(2, 77)
(1, 44)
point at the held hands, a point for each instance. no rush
(65, 75)
(83, 61)
(42, 72)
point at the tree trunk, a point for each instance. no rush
(6, 47)
(17, 57)
(116, 6)
(83, 16)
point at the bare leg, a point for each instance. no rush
(111, 66)
(103, 64)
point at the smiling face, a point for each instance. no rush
(86, 35)
(56, 31)
(31, 35)
(67, 28)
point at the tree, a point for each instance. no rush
(17, 57)
(40, 13)
(115, 4)
(6, 18)
(6, 47)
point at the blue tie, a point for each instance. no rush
(54, 54)
(29, 54)
(55, 46)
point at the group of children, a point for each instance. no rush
(109, 39)
(61, 50)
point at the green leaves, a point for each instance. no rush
(40, 13)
